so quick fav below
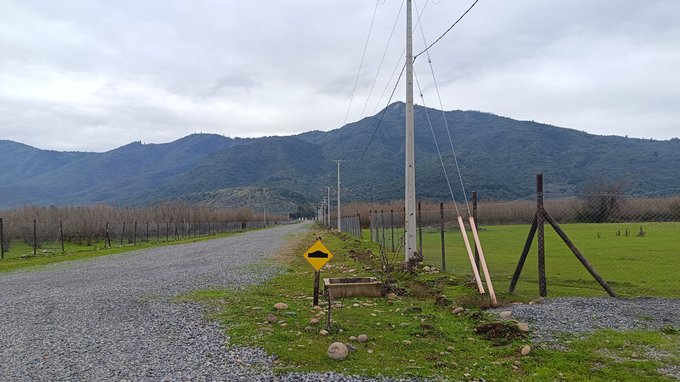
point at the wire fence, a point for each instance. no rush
(20, 238)
(616, 232)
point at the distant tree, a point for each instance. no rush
(602, 199)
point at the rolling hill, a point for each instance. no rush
(498, 157)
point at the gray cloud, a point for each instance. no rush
(95, 75)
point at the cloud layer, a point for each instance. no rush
(92, 76)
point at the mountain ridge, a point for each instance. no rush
(497, 156)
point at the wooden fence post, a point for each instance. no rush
(61, 235)
(441, 219)
(420, 231)
(2, 240)
(540, 215)
(392, 227)
(474, 216)
(35, 237)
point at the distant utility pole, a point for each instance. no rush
(328, 207)
(339, 218)
(410, 179)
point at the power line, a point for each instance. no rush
(389, 40)
(446, 124)
(361, 64)
(446, 31)
(382, 115)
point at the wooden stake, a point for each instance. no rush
(480, 287)
(482, 262)
(441, 215)
(540, 214)
(523, 256)
(578, 255)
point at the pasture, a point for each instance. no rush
(633, 264)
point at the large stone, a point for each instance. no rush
(522, 327)
(363, 338)
(337, 350)
(323, 332)
(526, 349)
(271, 318)
(505, 314)
(280, 306)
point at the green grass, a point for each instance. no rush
(441, 345)
(21, 254)
(632, 265)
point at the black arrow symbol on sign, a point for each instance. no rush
(318, 254)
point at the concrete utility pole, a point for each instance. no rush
(339, 218)
(410, 179)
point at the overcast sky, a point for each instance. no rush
(94, 75)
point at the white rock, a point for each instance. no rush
(337, 350)
(280, 306)
(362, 338)
(457, 310)
(505, 314)
(522, 327)
(525, 350)
(323, 332)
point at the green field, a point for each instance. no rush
(632, 265)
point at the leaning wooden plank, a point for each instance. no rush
(482, 261)
(470, 255)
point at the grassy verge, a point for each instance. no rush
(416, 334)
(80, 252)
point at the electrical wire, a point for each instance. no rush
(446, 31)
(436, 144)
(361, 63)
(389, 40)
(446, 124)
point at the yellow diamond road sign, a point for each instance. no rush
(318, 255)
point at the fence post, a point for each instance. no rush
(2, 240)
(361, 234)
(420, 231)
(540, 216)
(377, 236)
(474, 216)
(35, 237)
(392, 227)
(382, 225)
(108, 238)
(61, 235)
(134, 235)
(147, 232)
(441, 219)
(122, 234)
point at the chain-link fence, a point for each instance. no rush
(631, 240)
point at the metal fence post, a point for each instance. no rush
(441, 219)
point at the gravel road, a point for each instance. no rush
(112, 318)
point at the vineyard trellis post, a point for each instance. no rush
(537, 227)
(2, 240)
(108, 238)
(61, 235)
(122, 234)
(361, 234)
(134, 235)
(35, 238)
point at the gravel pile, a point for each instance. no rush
(581, 314)
(112, 318)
